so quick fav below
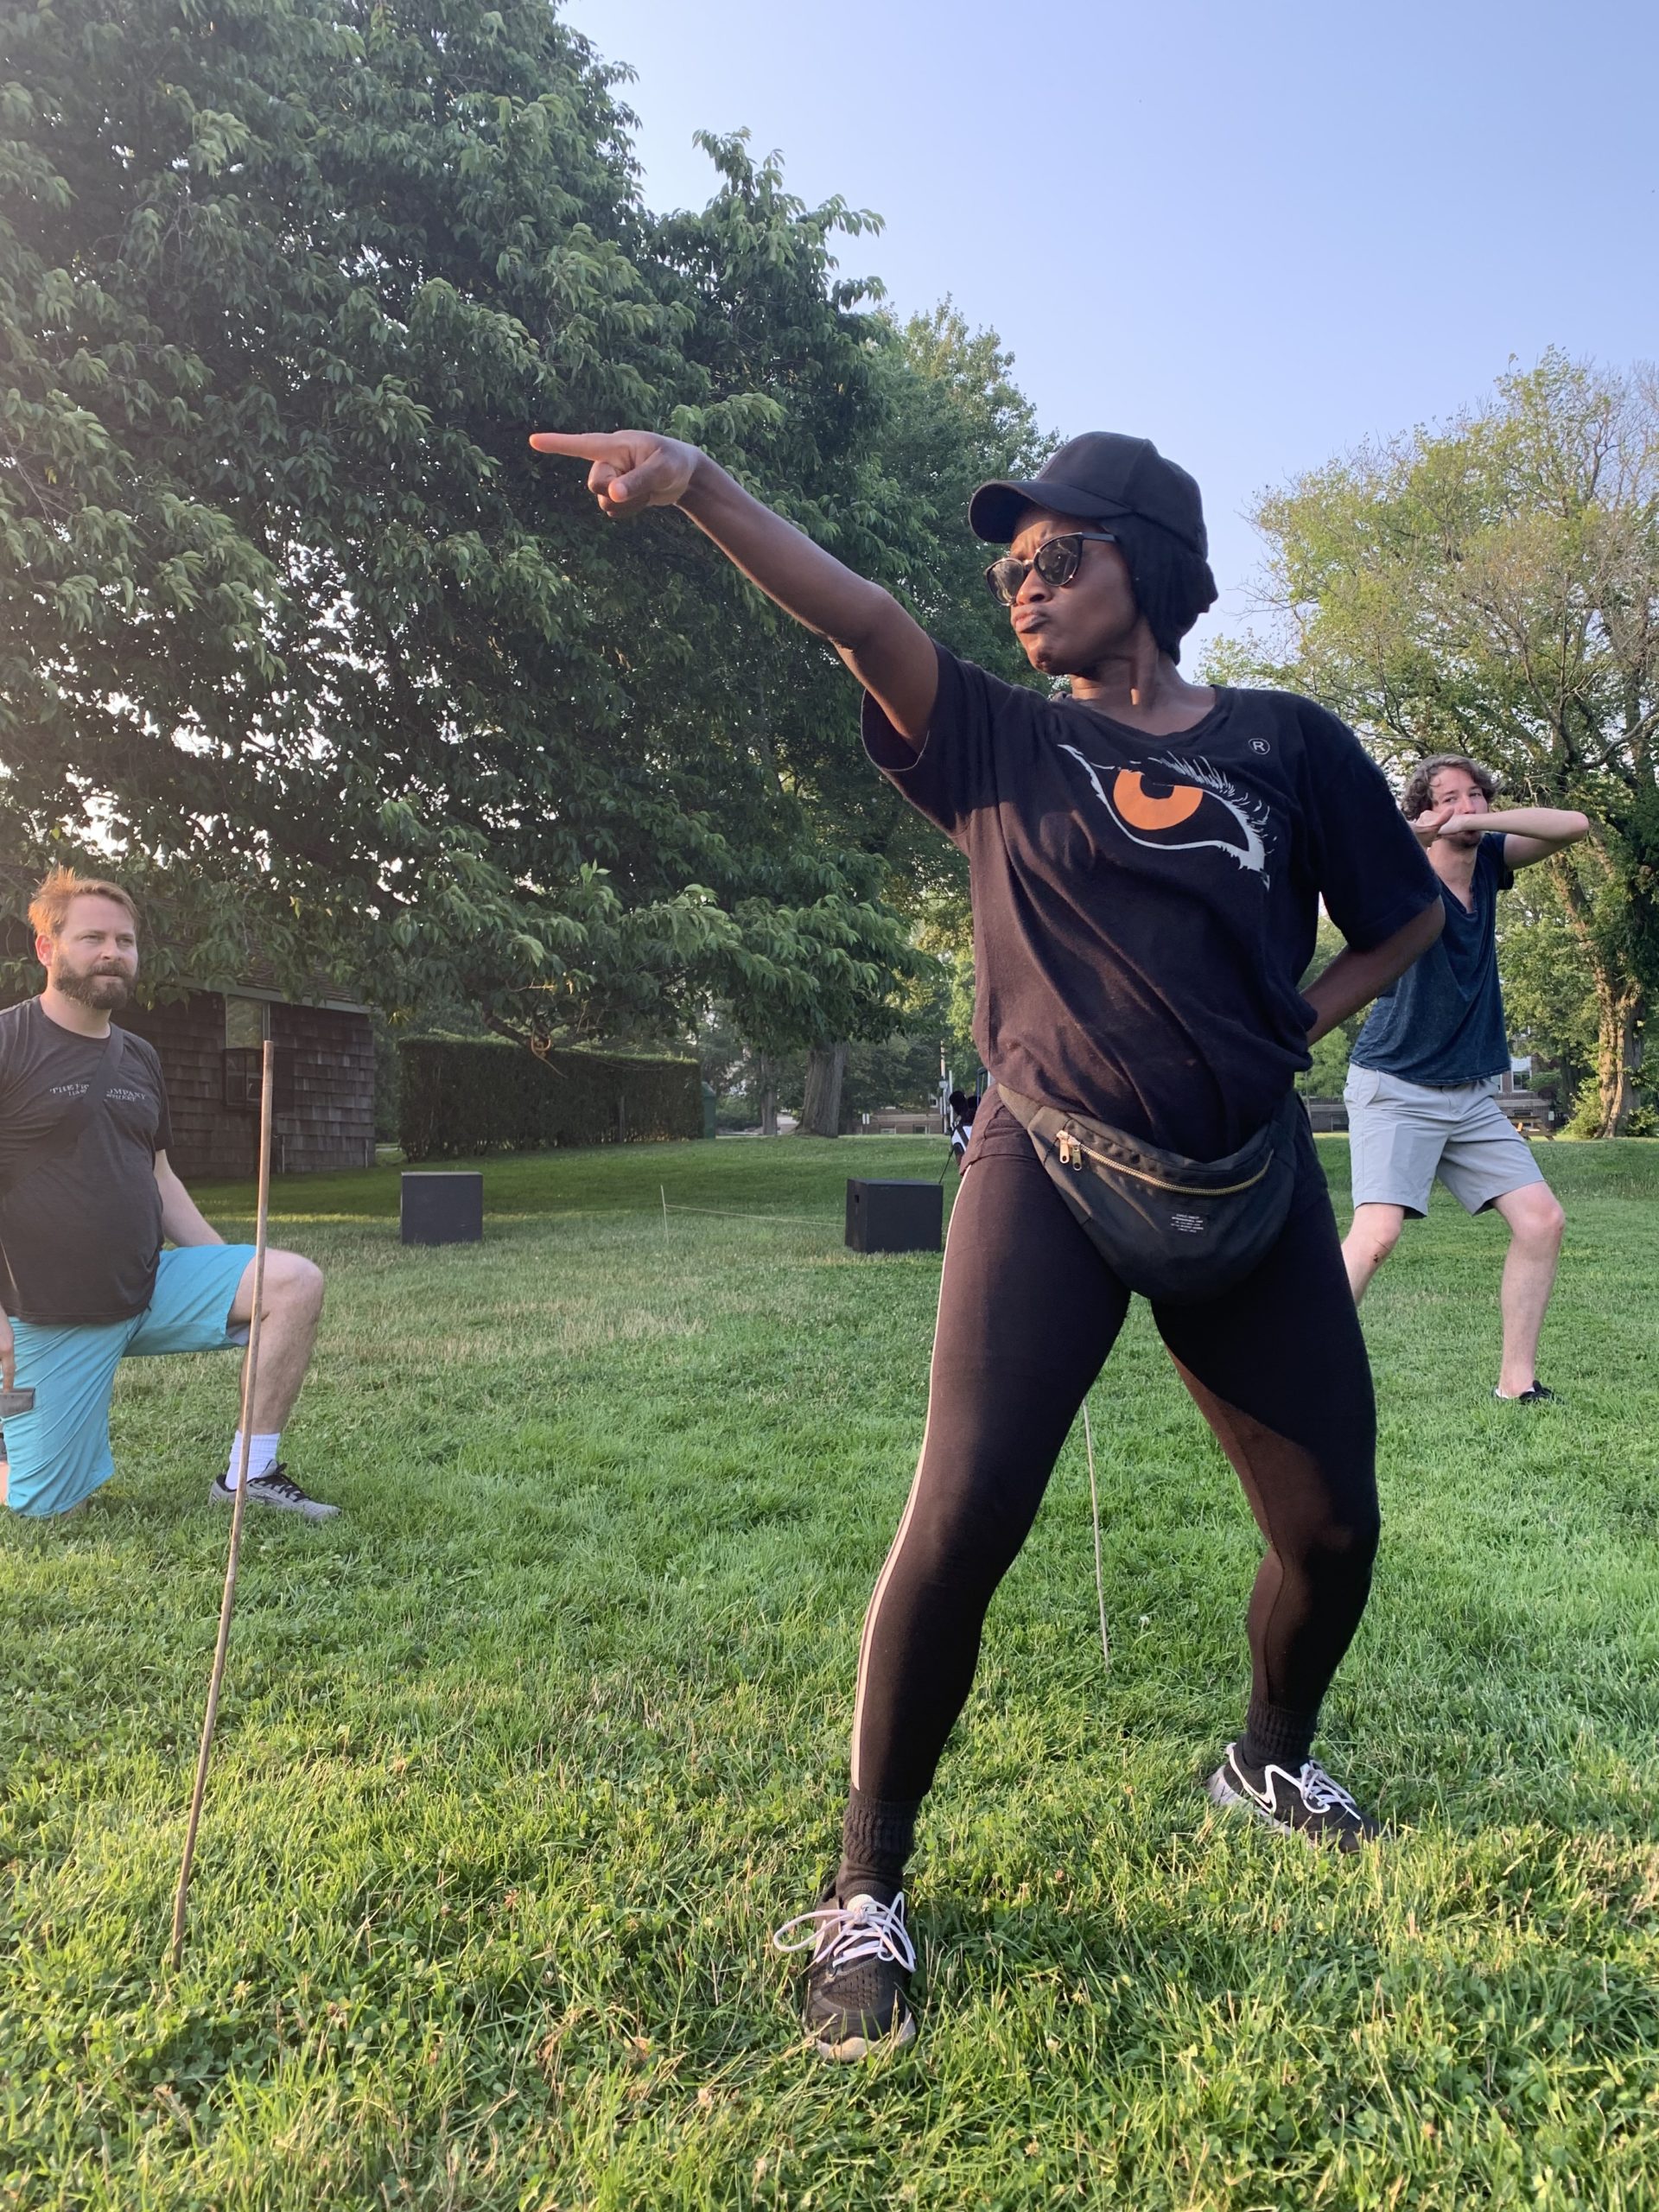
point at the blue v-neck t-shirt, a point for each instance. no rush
(1442, 1023)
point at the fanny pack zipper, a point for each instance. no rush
(1073, 1152)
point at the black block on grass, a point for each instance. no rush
(444, 1209)
(893, 1216)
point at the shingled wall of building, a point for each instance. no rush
(210, 1141)
(324, 1101)
(325, 1089)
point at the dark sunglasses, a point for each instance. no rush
(1055, 561)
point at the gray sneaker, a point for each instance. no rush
(276, 1488)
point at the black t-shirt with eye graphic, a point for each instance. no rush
(1145, 907)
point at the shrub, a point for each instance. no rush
(1585, 1120)
(465, 1096)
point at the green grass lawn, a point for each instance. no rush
(522, 1758)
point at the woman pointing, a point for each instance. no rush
(1147, 858)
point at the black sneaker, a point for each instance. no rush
(1537, 1395)
(278, 1489)
(857, 1989)
(1306, 1803)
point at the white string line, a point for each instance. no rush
(728, 1213)
(1094, 1508)
(734, 1213)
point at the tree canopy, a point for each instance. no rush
(299, 636)
(1492, 587)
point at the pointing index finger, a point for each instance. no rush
(580, 445)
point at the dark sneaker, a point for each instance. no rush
(1306, 1803)
(1537, 1395)
(277, 1488)
(855, 1995)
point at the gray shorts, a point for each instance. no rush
(1401, 1135)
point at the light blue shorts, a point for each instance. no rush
(60, 1453)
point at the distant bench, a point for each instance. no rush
(1525, 1112)
(1530, 1114)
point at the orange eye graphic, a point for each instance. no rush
(1138, 807)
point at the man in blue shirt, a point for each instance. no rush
(1422, 1081)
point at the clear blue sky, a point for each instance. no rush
(1257, 232)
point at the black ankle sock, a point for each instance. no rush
(1274, 1734)
(877, 1837)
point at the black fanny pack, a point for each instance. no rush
(1171, 1228)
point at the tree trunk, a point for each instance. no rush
(765, 1091)
(1618, 1048)
(826, 1065)
(1620, 1004)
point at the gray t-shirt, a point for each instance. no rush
(80, 1233)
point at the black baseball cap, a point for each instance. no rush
(1095, 477)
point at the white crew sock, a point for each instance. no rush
(261, 1458)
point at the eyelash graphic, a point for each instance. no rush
(1251, 815)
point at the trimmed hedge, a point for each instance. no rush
(465, 1096)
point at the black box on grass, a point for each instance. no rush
(444, 1209)
(893, 1216)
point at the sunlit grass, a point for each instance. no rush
(521, 1759)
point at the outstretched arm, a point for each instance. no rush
(1529, 833)
(1353, 979)
(891, 655)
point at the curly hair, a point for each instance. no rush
(1418, 796)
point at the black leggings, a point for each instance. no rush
(1028, 1311)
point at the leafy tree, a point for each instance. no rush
(933, 1009)
(957, 418)
(293, 629)
(1493, 587)
(245, 511)
(945, 930)
(1327, 1071)
(952, 417)
(1550, 988)
(902, 1070)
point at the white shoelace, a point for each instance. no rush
(846, 1935)
(1320, 1794)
